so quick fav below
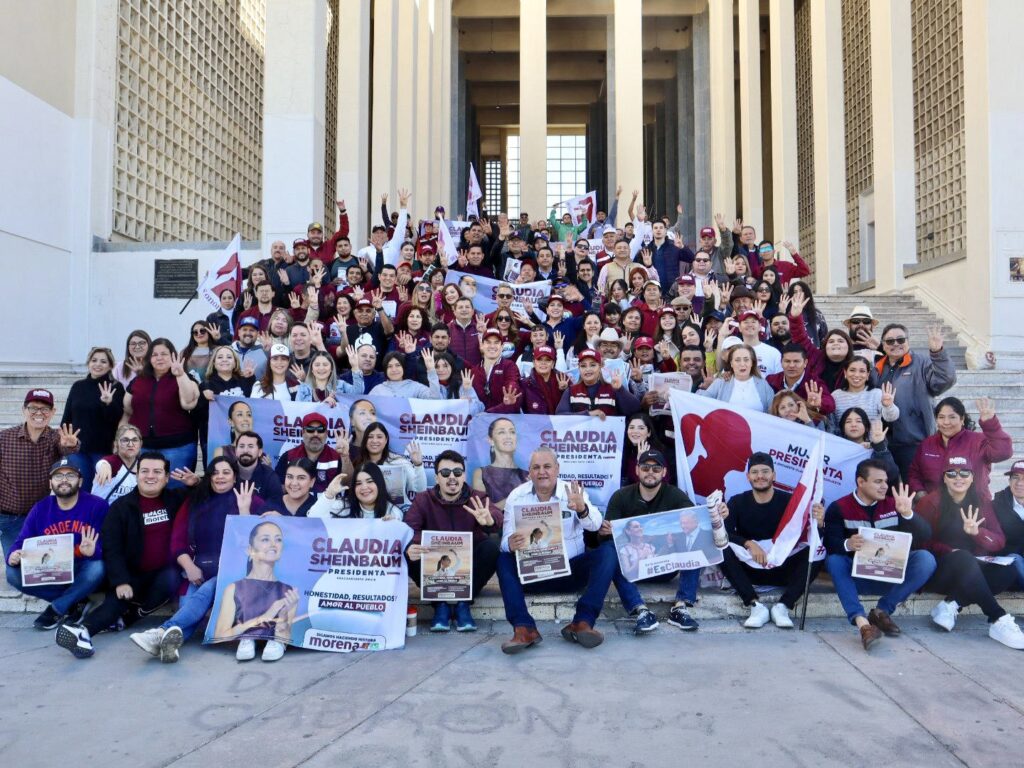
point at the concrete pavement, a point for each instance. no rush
(722, 696)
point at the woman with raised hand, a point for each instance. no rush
(365, 496)
(94, 406)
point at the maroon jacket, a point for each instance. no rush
(429, 512)
(948, 535)
(981, 449)
(539, 396)
(777, 381)
(492, 391)
(465, 343)
(327, 249)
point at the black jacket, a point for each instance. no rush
(1010, 522)
(122, 534)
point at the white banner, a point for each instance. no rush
(584, 206)
(473, 194)
(485, 299)
(227, 275)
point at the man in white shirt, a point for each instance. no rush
(590, 569)
(769, 359)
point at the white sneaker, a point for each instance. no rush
(273, 650)
(944, 614)
(758, 617)
(1007, 632)
(246, 650)
(149, 641)
(171, 641)
(780, 616)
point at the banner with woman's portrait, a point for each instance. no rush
(447, 566)
(436, 425)
(664, 542)
(323, 584)
(589, 451)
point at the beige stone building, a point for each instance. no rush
(881, 136)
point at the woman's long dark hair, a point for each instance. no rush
(147, 369)
(454, 384)
(204, 490)
(191, 346)
(580, 342)
(377, 427)
(125, 370)
(862, 414)
(380, 506)
(630, 451)
(810, 311)
(958, 407)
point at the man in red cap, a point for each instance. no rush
(324, 250)
(593, 395)
(707, 244)
(769, 360)
(26, 454)
(496, 380)
(315, 434)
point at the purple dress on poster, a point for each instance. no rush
(253, 597)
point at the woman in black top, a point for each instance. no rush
(94, 407)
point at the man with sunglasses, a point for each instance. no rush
(503, 297)
(649, 495)
(451, 505)
(315, 434)
(861, 326)
(916, 378)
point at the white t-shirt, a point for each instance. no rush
(745, 393)
(769, 359)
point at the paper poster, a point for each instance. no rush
(662, 384)
(996, 559)
(48, 560)
(447, 572)
(545, 556)
(320, 583)
(664, 542)
(486, 299)
(884, 555)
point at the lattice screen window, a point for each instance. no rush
(492, 185)
(804, 131)
(189, 125)
(857, 106)
(331, 121)
(938, 54)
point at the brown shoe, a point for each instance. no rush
(584, 634)
(522, 639)
(869, 634)
(883, 621)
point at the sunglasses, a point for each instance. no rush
(199, 332)
(858, 321)
(448, 472)
(311, 430)
(504, 295)
(504, 319)
(952, 474)
(895, 341)
(650, 467)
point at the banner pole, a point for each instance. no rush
(807, 581)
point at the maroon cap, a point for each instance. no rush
(427, 248)
(556, 297)
(313, 418)
(364, 302)
(589, 354)
(707, 232)
(644, 341)
(667, 310)
(687, 280)
(1016, 468)
(300, 241)
(958, 462)
(747, 315)
(545, 351)
(39, 396)
(404, 264)
(491, 332)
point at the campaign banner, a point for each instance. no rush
(714, 440)
(48, 560)
(662, 384)
(227, 274)
(594, 248)
(581, 207)
(435, 425)
(544, 556)
(485, 299)
(447, 568)
(589, 450)
(317, 583)
(883, 556)
(665, 542)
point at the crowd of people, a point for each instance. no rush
(324, 319)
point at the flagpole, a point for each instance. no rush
(807, 581)
(194, 296)
(812, 550)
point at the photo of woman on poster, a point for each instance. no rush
(539, 539)
(502, 475)
(259, 606)
(634, 550)
(447, 567)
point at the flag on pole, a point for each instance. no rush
(584, 205)
(227, 275)
(473, 194)
(446, 243)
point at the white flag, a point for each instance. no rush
(582, 206)
(227, 274)
(446, 243)
(473, 194)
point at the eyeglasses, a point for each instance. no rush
(895, 341)
(64, 476)
(448, 472)
(650, 467)
(129, 440)
(35, 409)
(311, 430)
(505, 295)
(136, 344)
(952, 474)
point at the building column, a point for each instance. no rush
(685, 143)
(353, 134)
(406, 115)
(440, 154)
(751, 167)
(625, 99)
(701, 78)
(671, 131)
(383, 137)
(892, 124)
(293, 119)
(829, 145)
(533, 107)
(993, 82)
(785, 196)
(422, 203)
(723, 109)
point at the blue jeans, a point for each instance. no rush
(182, 457)
(592, 571)
(62, 598)
(629, 592)
(86, 463)
(920, 568)
(193, 607)
(10, 529)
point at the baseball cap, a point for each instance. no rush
(589, 354)
(364, 302)
(404, 264)
(39, 396)
(747, 315)
(549, 353)
(313, 418)
(687, 280)
(280, 350)
(315, 225)
(760, 458)
(555, 297)
(427, 248)
(64, 464)
(644, 341)
(652, 455)
(491, 332)
(669, 309)
(249, 321)
(958, 462)
(707, 232)
(1016, 467)
(300, 241)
